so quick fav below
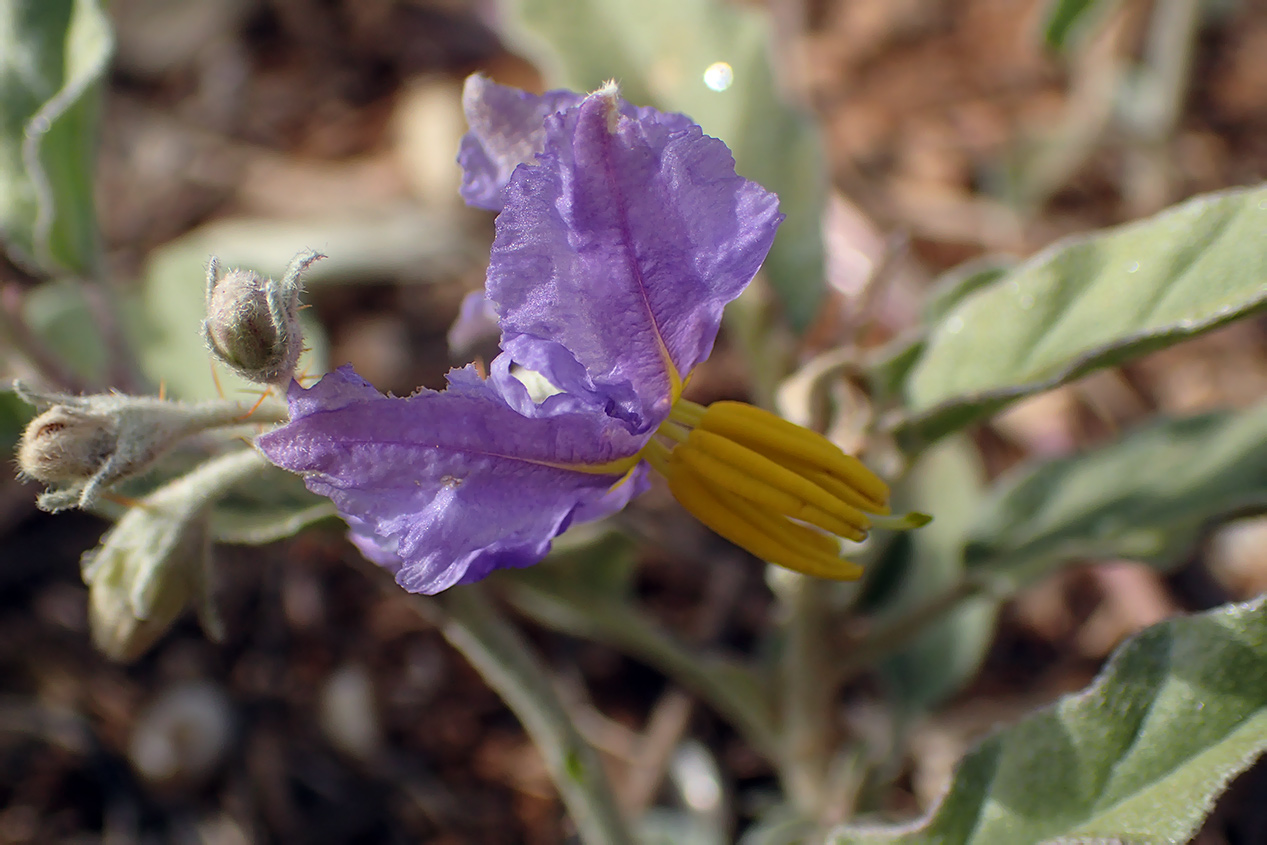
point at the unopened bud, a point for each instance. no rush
(156, 560)
(66, 445)
(252, 323)
(123, 568)
(80, 446)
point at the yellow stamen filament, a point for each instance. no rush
(688, 413)
(766, 472)
(760, 429)
(673, 431)
(784, 549)
(657, 455)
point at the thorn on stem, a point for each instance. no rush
(256, 406)
(215, 377)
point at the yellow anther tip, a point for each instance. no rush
(849, 571)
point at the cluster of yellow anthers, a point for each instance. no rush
(767, 484)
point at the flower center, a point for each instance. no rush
(770, 486)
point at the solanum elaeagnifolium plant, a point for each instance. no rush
(623, 230)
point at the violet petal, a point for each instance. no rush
(616, 253)
(507, 130)
(452, 484)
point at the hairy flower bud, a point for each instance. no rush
(80, 446)
(168, 576)
(66, 445)
(252, 323)
(156, 560)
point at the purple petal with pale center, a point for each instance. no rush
(450, 485)
(616, 253)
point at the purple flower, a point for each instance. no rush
(622, 235)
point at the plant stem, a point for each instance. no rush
(616, 625)
(1161, 91)
(809, 687)
(497, 651)
(1095, 74)
(1172, 38)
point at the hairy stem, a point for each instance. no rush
(808, 691)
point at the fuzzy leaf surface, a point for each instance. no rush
(1090, 302)
(53, 55)
(1139, 756)
(1146, 496)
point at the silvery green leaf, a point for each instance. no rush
(1090, 302)
(1146, 496)
(1139, 756)
(53, 55)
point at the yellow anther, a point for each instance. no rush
(820, 552)
(765, 484)
(733, 520)
(768, 473)
(769, 434)
(756, 489)
(840, 489)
